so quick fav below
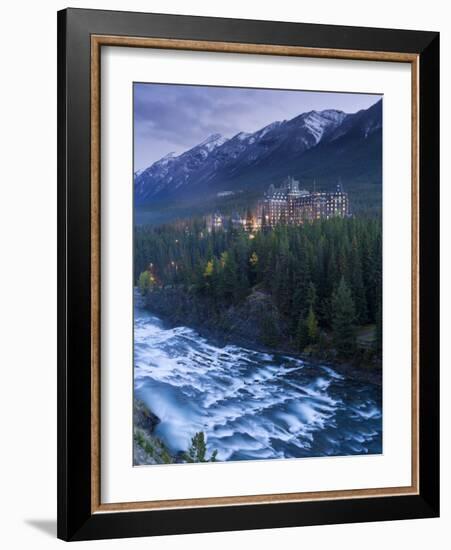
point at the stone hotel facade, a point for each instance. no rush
(287, 204)
(291, 205)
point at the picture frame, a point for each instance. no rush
(81, 36)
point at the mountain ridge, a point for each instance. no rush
(247, 162)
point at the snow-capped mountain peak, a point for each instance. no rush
(212, 141)
(169, 156)
(242, 136)
(166, 159)
(218, 160)
(322, 122)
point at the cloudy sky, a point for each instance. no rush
(173, 118)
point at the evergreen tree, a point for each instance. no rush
(343, 319)
(300, 267)
(358, 289)
(307, 332)
(282, 285)
(301, 284)
(302, 337)
(241, 258)
(197, 451)
(311, 296)
(312, 327)
(230, 277)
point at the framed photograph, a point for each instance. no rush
(248, 274)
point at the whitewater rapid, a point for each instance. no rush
(250, 405)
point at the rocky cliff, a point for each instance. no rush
(255, 321)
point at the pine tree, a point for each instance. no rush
(229, 277)
(311, 296)
(198, 448)
(299, 267)
(301, 284)
(197, 451)
(358, 289)
(307, 331)
(241, 256)
(343, 319)
(302, 337)
(312, 327)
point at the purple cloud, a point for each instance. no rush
(172, 117)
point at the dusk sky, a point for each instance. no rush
(174, 118)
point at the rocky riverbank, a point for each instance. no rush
(147, 449)
(247, 325)
(240, 324)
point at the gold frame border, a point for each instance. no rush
(97, 41)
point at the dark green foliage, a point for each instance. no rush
(198, 450)
(153, 446)
(228, 280)
(308, 331)
(343, 320)
(312, 326)
(323, 278)
(302, 335)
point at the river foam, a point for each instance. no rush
(250, 405)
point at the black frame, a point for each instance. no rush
(75, 520)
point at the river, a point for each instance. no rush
(250, 405)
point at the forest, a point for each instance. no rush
(323, 278)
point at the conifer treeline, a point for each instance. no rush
(323, 277)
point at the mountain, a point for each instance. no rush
(319, 146)
(171, 172)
